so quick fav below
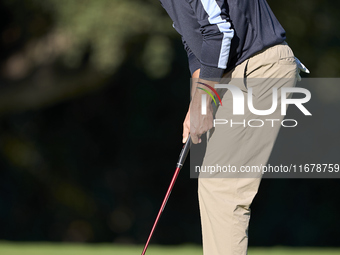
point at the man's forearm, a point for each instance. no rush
(197, 82)
(195, 77)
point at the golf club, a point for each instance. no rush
(180, 162)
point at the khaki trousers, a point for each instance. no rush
(225, 200)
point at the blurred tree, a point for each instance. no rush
(107, 26)
(61, 48)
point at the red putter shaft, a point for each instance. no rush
(162, 207)
(180, 163)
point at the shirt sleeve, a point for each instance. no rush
(194, 63)
(217, 33)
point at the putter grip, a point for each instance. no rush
(184, 153)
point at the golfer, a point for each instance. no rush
(241, 43)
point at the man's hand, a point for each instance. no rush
(186, 127)
(199, 123)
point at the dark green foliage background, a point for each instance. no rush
(92, 99)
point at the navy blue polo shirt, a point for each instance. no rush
(220, 34)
